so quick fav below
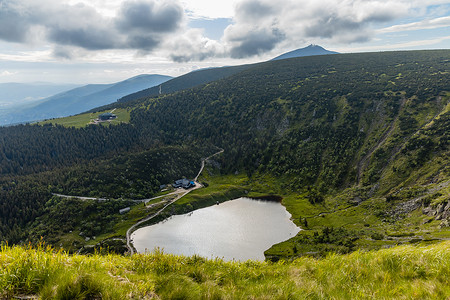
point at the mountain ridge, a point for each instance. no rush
(186, 81)
(310, 50)
(206, 75)
(14, 93)
(82, 98)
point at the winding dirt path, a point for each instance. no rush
(203, 163)
(198, 185)
(82, 198)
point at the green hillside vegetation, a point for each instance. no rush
(192, 79)
(406, 272)
(357, 145)
(133, 176)
(82, 120)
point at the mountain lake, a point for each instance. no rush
(239, 229)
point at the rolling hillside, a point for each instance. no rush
(192, 79)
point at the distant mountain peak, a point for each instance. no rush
(310, 50)
(80, 99)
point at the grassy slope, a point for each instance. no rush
(405, 272)
(82, 120)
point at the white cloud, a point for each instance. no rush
(192, 45)
(105, 8)
(138, 24)
(27, 56)
(397, 46)
(262, 25)
(210, 8)
(196, 8)
(7, 73)
(425, 24)
(136, 30)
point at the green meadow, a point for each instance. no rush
(82, 120)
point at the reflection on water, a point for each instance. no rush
(240, 229)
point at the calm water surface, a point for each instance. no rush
(240, 229)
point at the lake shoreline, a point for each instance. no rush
(238, 229)
(271, 198)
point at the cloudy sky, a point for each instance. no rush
(104, 41)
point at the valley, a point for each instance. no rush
(356, 147)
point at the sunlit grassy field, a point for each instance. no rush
(82, 120)
(406, 272)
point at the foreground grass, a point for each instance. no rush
(405, 272)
